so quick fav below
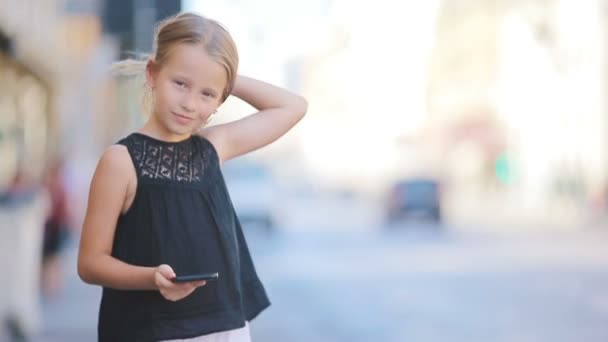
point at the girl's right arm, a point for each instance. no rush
(107, 194)
(113, 183)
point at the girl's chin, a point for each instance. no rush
(181, 129)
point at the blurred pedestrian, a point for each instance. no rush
(158, 206)
(56, 231)
(23, 209)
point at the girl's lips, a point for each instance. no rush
(182, 119)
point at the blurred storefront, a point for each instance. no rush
(54, 46)
(25, 122)
(26, 97)
(46, 47)
(25, 126)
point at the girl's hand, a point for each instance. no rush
(172, 291)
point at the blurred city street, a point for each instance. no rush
(449, 181)
(415, 282)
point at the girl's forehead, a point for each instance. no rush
(193, 60)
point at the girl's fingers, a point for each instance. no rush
(162, 281)
(174, 291)
(166, 271)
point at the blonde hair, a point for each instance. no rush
(188, 28)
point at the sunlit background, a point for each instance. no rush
(449, 182)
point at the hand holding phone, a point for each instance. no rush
(172, 290)
(196, 277)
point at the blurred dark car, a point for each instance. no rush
(414, 198)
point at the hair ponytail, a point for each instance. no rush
(129, 68)
(130, 76)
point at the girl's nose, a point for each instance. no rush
(188, 103)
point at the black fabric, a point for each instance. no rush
(182, 216)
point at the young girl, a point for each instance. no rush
(158, 205)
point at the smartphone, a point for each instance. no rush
(195, 277)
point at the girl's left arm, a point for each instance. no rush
(278, 111)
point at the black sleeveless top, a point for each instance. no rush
(182, 216)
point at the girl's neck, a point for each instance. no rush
(158, 131)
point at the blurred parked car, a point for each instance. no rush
(414, 197)
(254, 192)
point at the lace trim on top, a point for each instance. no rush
(180, 161)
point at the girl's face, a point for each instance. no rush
(187, 89)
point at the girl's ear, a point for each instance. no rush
(151, 73)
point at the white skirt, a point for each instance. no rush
(236, 335)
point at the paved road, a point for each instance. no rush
(420, 284)
(425, 286)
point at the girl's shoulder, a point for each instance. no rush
(116, 153)
(116, 162)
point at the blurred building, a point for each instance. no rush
(132, 22)
(27, 112)
(52, 54)
(515, 99)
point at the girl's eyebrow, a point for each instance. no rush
(181, 75)
(211, 90)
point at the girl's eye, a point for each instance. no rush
(179, 83)
(208, 94)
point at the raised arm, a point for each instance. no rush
(278, 111)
